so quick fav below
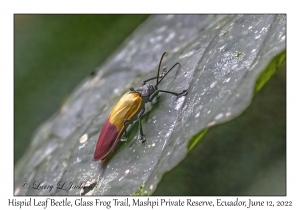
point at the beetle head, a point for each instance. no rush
(146, 90)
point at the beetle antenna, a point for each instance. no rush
(168, 72)
(159, 69)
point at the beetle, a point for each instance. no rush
(130, 108)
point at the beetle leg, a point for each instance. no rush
(126, 123)
(153, 95)
(142, 137)
(183, 93)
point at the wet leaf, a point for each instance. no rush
(221, 58)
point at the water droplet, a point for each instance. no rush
(213, 84)
(80, 147)
(176, 49)
(127, 171)
(179, 103)
(198, 114)
(211, 123)
(170, 37)
(188, 54)
(219, 116)
(158, 38)
(151, 187)
(83, 138)
(78, 159)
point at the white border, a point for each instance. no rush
(8, 8)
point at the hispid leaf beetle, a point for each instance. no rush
(130, 108)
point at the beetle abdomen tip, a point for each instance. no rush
(106, 141)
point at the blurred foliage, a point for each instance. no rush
(52, 54)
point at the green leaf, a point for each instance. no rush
(194, 140)
(270, 70)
